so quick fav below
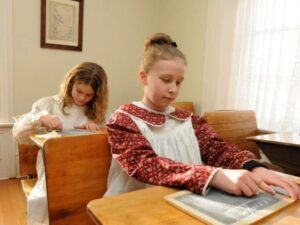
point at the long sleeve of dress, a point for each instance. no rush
(215, 151)
(28, 124)
(138, 159)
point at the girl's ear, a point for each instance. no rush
(143, 77)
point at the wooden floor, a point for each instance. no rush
(12, 203)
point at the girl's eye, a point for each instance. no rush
(166, 80)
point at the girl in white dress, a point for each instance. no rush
(81, 104)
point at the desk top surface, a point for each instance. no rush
(39, 141)
(148, 207)
(283, 138)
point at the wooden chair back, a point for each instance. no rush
(76, 172)
(234, 126)
(186, 106)
(27, 159)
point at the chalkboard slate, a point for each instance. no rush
(220, 208)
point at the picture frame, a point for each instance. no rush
(62, 24)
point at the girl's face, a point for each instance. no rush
(162, 83)
(82, 93)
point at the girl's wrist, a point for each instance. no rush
(252, 164)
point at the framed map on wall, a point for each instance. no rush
(62, 24)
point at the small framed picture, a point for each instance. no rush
(62, 24)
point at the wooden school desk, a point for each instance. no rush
(282, 149)
(76, 169)
(148, 207)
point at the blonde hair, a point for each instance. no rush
(90, 74)
(159, 46)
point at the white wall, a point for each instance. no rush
(8, 160)
(217, 89)
(185, 21)
(113, 36)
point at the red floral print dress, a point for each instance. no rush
(174, 148)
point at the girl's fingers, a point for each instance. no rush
(94, 127)
(88, 126)
(291, 188)
(295, 186)
(91, 127)
(267, 188)
(48, 123)
(51, 122)
(253, 185)
(248, 190)
(57, 124)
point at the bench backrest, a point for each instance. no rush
(187, 106)
(234, 126)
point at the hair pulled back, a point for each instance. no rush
(159, 46)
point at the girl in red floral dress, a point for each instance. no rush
(155, 144)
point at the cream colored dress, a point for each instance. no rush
(37, 209)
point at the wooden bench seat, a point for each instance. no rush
(27, 185)
(27, 159)
(27, 166)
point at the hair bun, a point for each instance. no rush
(158, 42)
(159, 46)
(160, 39)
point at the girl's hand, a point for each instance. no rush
(51, 122)
(239, 182)
(90, 125)
(272, 178)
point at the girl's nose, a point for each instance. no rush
(173, 87)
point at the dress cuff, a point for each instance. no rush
(206, 187)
